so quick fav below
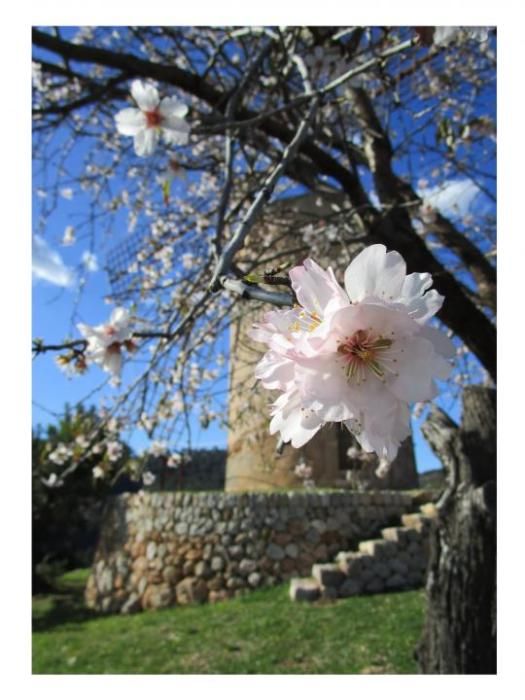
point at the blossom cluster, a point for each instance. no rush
(359, 357)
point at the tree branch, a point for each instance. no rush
(264, 195)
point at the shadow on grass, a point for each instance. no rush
(63, 604)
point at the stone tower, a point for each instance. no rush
(253, 462)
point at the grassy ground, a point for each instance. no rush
(263, 632)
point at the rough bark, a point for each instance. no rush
(459, 635)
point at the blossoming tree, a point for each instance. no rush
(398, 123)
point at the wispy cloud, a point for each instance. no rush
(453, 198)
(49, 266)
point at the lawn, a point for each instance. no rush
(262, 632)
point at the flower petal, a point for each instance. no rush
(274, 371)
(417, 364)
(291, 422)
(130, 121)
(119, 318)
(172, 107)
(146, 141)
(441, 342)
(375, 273)
(316, 289)
(146, 96)
(175, 131)
(383, 435)
(85, 330)
(112, 363)
(426, 306)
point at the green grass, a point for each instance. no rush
(262, 632)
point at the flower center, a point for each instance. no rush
(114, 348)
(153, 118)
(364, 351)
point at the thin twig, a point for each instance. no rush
(224, 264)
(253, 291)
(229, 145)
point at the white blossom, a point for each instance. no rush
(90, 261)
(105, 342)
(69, 236)
(148, 478)
(60, 454)
(52, 481)
(114, 450)
(153, 118)
(158, 448)
(174, 460)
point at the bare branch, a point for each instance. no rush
(236, 242)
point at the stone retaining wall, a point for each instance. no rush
(159, 549)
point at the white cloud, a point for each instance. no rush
(49, 266)
(453, 198)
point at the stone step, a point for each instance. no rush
(353, 563)
(399, 535)
(429, 510)
(342, 557)
(380, 549)
(328, 575)
(307, 589)
(417, 521)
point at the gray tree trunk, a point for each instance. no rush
(459, 636)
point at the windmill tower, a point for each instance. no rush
(254, 462)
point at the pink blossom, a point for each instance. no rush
(359, 357)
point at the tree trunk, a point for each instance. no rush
(459, 635)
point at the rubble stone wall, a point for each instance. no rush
(160, 549)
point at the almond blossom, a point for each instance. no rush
(69, 236)
(359, 357)
(114, 450)
(148, 478)
(153, 118)
(158, 448)
(174, 460)
(60, 454)
(302, 470)
(98, 472)
(105, 342)
(52, 481)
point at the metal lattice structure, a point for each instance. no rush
(124, 283)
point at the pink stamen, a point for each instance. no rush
(153, 118)
(361, 352)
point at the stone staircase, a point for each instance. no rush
(396, 561)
